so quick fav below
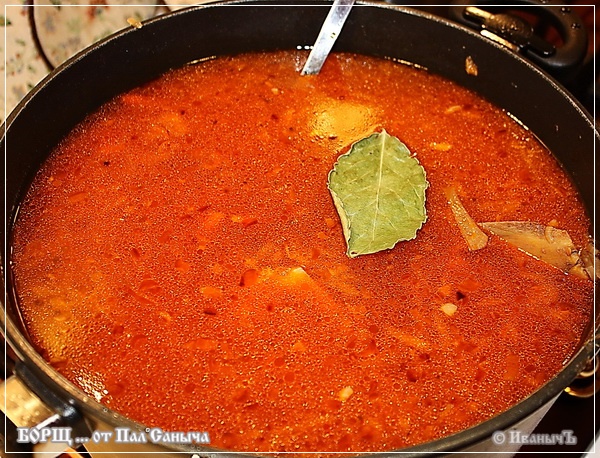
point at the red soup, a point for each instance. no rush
(180, 259)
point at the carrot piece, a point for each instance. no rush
(249, 277)
(212, 292)
(182, 266)
(249, 222)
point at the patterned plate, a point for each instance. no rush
(178, 4)
(22, 66)
(65, 27)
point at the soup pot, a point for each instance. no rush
(137, 55)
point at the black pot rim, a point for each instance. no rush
(89, 406)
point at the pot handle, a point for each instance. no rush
(37, 420)
(519, 35)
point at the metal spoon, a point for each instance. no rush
(329, 32)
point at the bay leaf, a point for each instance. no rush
(546, 243)
(378, 189)
(475, 238)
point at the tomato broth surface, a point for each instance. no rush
(180, 259)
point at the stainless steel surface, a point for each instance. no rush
(587, 383)
(26, 410)
(329, 32)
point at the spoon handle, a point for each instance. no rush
(329, 32)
